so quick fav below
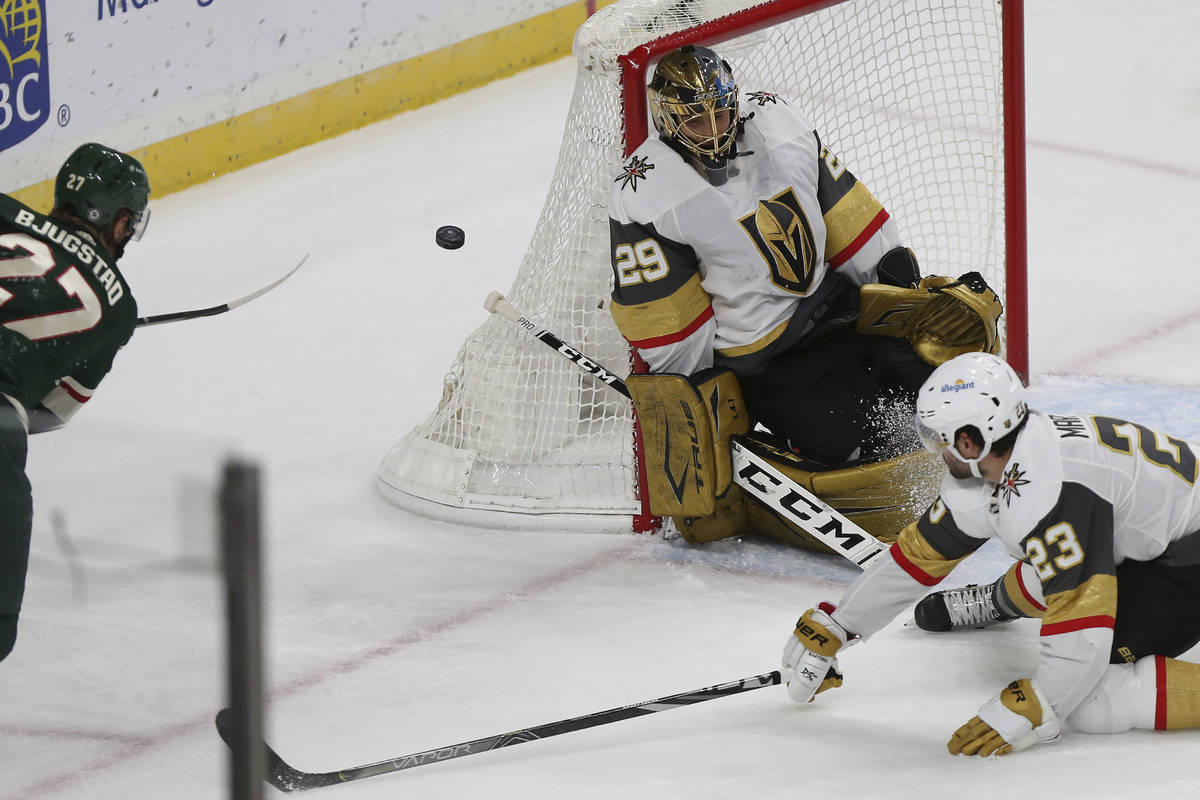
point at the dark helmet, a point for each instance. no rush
(694, 85)
(97, 182)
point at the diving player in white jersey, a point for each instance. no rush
(1091, 504)
(749, 261)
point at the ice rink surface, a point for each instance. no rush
(390, 634)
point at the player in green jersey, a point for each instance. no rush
(65, 311)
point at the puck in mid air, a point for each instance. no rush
(451, 237)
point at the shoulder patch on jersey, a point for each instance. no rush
(1032, 482)
(762, 98)
(635, 169)
(1010, 485)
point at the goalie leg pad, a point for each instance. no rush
(881, 497)
(727, 520)
(686, 427)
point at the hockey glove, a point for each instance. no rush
(809, 658)
(1017, 719)
(941, 317)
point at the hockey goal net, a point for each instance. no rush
(911, 94)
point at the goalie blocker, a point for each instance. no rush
(689, 427)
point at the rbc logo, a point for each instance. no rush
(24, 70)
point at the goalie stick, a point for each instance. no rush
(754, 474)
(176, 316)
(287, 778)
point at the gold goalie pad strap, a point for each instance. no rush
(728, 519)
(942, 317)
(686, 427)
(881, 497)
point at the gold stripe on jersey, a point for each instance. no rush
(1092, 604)
(851, 216)
(755, 346)
(1179, 681)
(913, 548)
(666, 317)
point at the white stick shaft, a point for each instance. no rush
(496, 304)
(761, 480)
(177, 316)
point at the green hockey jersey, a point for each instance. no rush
(65, 311)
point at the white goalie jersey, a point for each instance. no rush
(738, 272)
(1080, 494)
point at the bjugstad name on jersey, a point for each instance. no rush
(77, 247)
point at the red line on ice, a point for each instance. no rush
(136, 745)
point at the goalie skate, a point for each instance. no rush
(955, 609)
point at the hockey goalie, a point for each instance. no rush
(772, 299)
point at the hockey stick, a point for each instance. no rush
(496, 304)
(287, 778)
(754, 474)
(176, 316)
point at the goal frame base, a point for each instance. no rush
(616, 522)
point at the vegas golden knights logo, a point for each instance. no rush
(780, 231)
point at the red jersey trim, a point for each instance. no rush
(916, 573)
(1082, 623)
(1160, 693)
(1025, 592)
(678, 336)
(76, 396)
(849, 250)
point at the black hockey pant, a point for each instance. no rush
(1158, 610)
(16, 523)
(842, 394)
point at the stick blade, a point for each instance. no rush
(241, 301)
(278, 772)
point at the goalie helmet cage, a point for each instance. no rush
(922, 99)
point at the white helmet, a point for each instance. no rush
(977, 389)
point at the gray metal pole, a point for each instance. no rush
(241, 560)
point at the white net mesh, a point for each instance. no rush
(908, 94)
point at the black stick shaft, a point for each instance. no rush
(175, 316)
(289, 779)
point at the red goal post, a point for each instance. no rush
(922, 99)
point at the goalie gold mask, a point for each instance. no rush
(694, 102)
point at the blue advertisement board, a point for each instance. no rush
(24, 70)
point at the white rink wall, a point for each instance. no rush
(389, 633)
(135, 73)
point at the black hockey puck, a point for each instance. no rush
(450, 237)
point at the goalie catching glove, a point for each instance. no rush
(1016, 719)
(941, 317)
(810, 655)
